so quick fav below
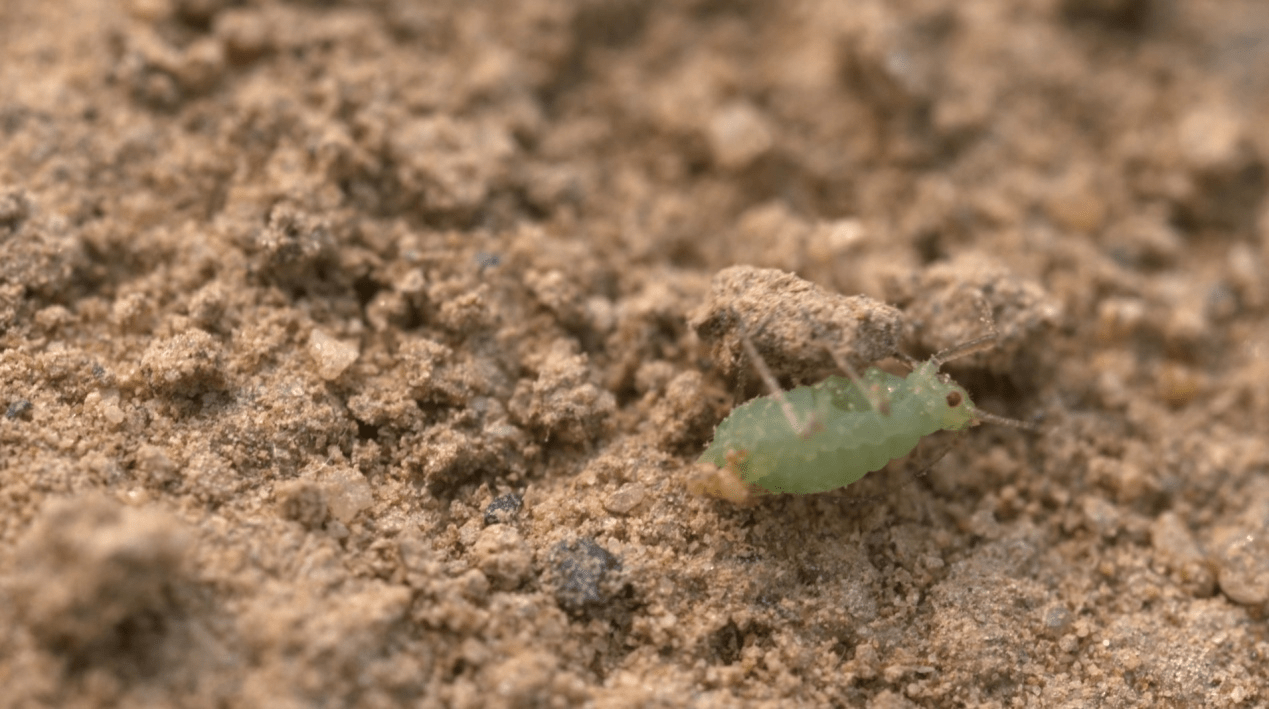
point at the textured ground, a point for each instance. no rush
(359, 354)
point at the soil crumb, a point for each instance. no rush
(360, 354)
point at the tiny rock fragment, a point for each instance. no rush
(20, 409)
(1056, 620)
(583, 574)
(1101, 516)
(503, 509)
(625, 499)
(738, 134)
(331, 356)
(1242, 557)
(112, 413)
(347, 492)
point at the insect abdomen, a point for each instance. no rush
(801, 468)
(841, 439)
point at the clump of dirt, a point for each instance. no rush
(360, 353)
(797, 328)
(94, 574)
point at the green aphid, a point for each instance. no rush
(844, 438)
(826, 436)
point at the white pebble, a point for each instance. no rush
(331, 356)
(738, 134)
(1243, 558)
(347, 492)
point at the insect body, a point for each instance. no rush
(846, 435)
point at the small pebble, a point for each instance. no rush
(1100, 516)
(1242, 555)
(347, 492)
(738, 134)
(625, 499)
(113, 414)
(331, 356)
(1056, 620)
(19, 409)
(582, 570)
(503, 509)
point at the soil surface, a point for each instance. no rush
(361, 354)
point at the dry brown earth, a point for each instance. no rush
(346, 357)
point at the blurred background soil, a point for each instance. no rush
(347, 353)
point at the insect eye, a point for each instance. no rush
(954, 399)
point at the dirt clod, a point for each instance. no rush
(327, 281)
(795, 325)
(186, 365)
(93, 571)
(561, 402)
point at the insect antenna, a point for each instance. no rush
(964, 349)
(978, 344)
(980, 415)
(769, 379)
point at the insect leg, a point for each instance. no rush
(942, 452)
(769, 379)
(911, 363)
(911, 478)
(875, 400)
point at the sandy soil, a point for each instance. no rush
(359, 354)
